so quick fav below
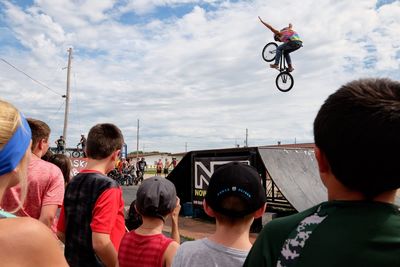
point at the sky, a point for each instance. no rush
(190, 71)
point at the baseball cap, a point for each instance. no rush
(239, 180)
(156, 197)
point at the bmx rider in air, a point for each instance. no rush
(291, 42)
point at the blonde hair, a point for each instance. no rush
(10, 120)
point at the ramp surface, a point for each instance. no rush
(295, 172)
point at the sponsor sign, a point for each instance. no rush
(203, 169)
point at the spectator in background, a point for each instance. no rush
(64, 163)
(60, 145)
(356, 135)
(24, 241)
(234, 198)
(46, 183)
(91, 221)
(159, 167)
(122, 165)
(146, 246)
(166, 167)
(174, 162)
(82, 143)
(141, 167)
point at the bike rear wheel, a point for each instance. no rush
(284, 81)
(269, 51)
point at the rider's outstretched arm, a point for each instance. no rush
(269, 26)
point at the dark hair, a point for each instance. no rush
(134, 219)
(103, 139)
(233, 203)
(40, 130)
(47, 155)
(358, 129)
(64, 163)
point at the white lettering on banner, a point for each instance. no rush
(78, 165)
(200, 179)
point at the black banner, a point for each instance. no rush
(204, 167)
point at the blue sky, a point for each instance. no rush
(191, 71)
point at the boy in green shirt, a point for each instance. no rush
(356, 133)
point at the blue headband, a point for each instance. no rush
(12, 153)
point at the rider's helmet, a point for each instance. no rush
(142, 158)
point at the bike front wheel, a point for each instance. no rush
(76, 154)
(284, 81)
(269, 51)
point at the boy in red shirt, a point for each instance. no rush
(92, 222)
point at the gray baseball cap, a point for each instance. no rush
(156, 197)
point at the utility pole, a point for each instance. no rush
(67, 96)
(246, 144)
(137, 142)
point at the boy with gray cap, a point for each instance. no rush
(234, 197)
(147, 246)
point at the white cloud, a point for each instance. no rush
(198, 78)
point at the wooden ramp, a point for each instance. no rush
(295, 173)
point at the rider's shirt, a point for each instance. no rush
(289, 35)
(60, 142)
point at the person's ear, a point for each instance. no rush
(323, 163)
(259, 213)
(40, 144)
(115, 154)
(207, 209)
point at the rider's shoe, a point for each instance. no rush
(290, 68)
(274, 66)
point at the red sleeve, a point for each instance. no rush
(61, 221)
(105, 211)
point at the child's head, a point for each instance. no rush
(156, 197)
(64, 163)
(103, 139)
(235, 191)
(358, 130)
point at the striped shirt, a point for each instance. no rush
(142, 250)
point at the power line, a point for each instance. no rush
(27, 75)
(55, 114)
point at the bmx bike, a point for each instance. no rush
(284, 81)
(78, 152)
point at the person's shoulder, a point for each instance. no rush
(192, 245)
(44, 169)
(40, 163)
(25, 232)
(284, 225)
